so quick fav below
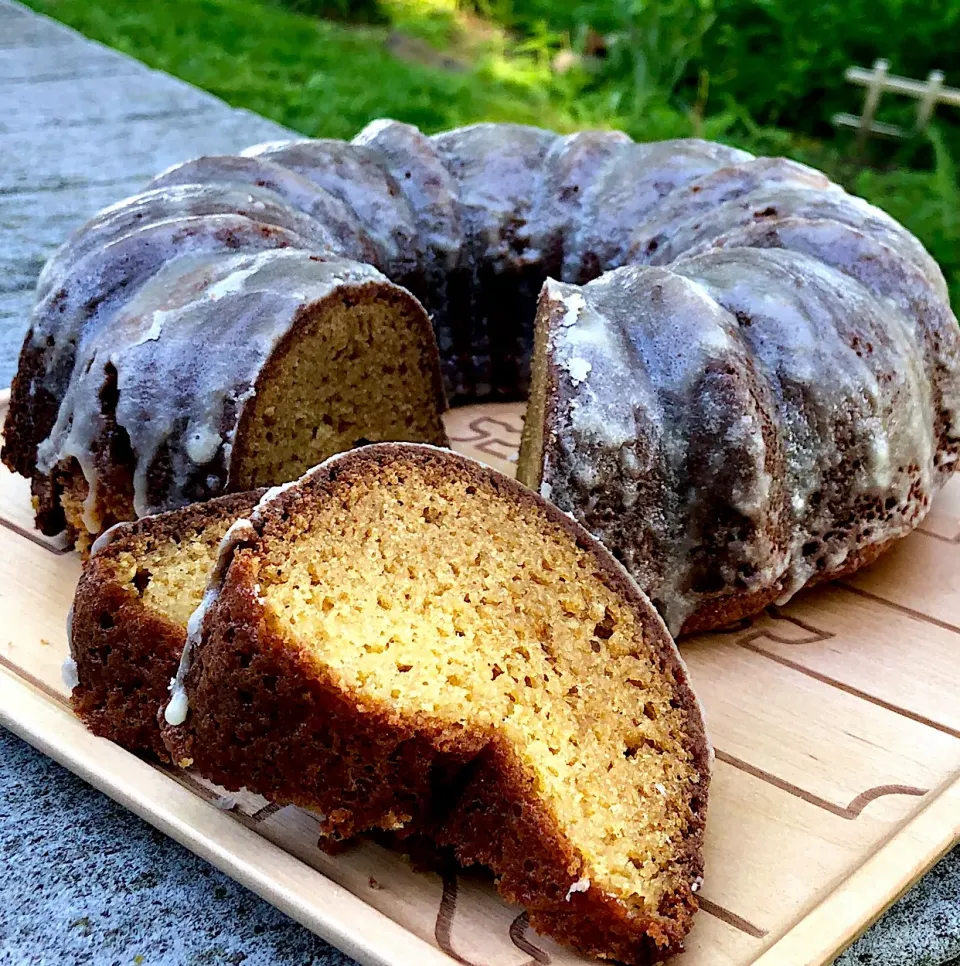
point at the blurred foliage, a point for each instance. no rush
(784, 60)
(764, 75)
(652, 45)
(781, 60)
(319, 77)
(354, 11)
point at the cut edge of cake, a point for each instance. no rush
(254, 708)
(127, 626)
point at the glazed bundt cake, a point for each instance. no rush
(785, 428)
(406, 640)
(129, 619)
(803, 421)
(228, 372)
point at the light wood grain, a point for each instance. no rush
(836, 722)
(862, 897)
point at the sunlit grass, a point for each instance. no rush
(319, 77)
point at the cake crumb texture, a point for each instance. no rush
(130, 612)
(414, 643)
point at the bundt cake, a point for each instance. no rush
(801, 422)
(406, 640)
(796, 412)
(229, 371)
(129, 619)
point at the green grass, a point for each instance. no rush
(783, 60)
(327, 78)
(319, 77)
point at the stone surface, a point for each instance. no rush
(84, 881)
(922, 929)
(34, 64)
(80, 101)
(34, 223)
(14, 309)
(87, 882)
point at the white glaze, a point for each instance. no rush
(581, 885)
(69, 673)
(178, 707)
(69, 629)
(578, 369)
(108, 536)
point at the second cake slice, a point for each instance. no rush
(129, 619)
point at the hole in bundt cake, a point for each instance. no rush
(109, 392)
(316, 395)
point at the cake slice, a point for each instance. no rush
(129, 619)
(225, 372)
(407, 640)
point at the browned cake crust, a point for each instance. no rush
(126, 651)
(724, 611)
(265, 717)
(496, 820)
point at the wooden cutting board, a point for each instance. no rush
(836, 722)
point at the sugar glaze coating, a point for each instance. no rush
(250, 301)
(754, 375)
(745, 420)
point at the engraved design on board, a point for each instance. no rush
(261, 815)
(784, 629)
(56, 545)
(775, 625)
(447, 911)
(940, 524)
(497, 436)
(850, 812)
(780, 628)
(955, 539)
(35, 682)
(894, 605)
(518, 936)
(731, 918)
